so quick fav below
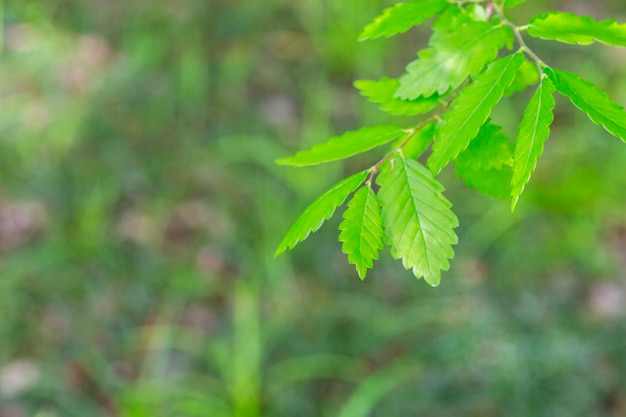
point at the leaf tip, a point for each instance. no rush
(280, 250)
(514, 203)
(362, 273)
(432, 279)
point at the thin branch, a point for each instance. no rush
(518, 37)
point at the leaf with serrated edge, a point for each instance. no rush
(362, 230)
(419, 224)
(491, 148)
(319, 211)
(533, 131)
(573, 29)
(455, 53)
(471, 109)
(401, 17)
(382, 92)
(594, 102)
(345, 146)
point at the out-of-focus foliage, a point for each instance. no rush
(140, 207)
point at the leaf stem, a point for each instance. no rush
(518, 37)
(374, 169)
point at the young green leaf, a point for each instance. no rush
(402, 17)
(573, 29)
(319, 211)
(594, 102)
(491, 148)
(454, 54)
(362, 230)
(345, 146)
(419, 223)
(493, 182)
(471, 109)
(533, 131)
(527, 75)
(382, 92)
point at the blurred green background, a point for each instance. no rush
(140, 208)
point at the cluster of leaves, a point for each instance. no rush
(453, 86)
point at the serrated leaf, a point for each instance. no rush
(362, 230)
(527, 75)
(319, 211)
(533, 131)
(345, 146)
(493, 182)
(594, 102)
(471, 109)
(490, 149)
(419, 224)
(401, 17)
(382, 92)
(456, 51)
(573, 29)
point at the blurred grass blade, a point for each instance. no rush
(365, 398)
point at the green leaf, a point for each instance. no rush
(493, 182)
(533, 131)
(419, 223)
(345, 146)
(456, 51)
(418, 143)
(527, 75)
(491, 148)
(362, 230)
(319, 211)
(382, 92)
(573, 29)
(596, 103)
(509, 4)
(471, 109)
(401, 17)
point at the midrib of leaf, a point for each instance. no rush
(532, 142)
(364, 236)
(570, 28)
(478, 40)
(485, 96)
(468, 45)
(595, 103)
(344, 146)
(421, 218)
(412, 201)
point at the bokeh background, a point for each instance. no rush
(140, 208)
